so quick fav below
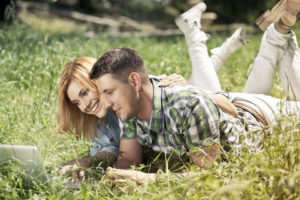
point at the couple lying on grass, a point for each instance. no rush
(114, 102)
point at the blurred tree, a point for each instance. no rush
(164, 11)
(90, 5)
(230, 11)
(8, 10)
(68, 2)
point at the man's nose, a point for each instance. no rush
(107, 102)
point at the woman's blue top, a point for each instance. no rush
(107, 135)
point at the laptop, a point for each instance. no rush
(28, 159)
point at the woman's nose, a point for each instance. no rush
(88, 106)
(85, 105)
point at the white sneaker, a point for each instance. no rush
(238, 39)
(189, 24)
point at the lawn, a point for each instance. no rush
(31, 60)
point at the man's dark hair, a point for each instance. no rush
(120, 62)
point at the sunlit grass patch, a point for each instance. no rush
(30, 64)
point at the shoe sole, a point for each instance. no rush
(287, 21)
(244, 37)
(272, 16)
(180, 20)
(201, 7)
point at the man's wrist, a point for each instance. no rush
(86, 162)
(123, 164)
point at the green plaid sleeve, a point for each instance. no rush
(128, 130)
(201, 124)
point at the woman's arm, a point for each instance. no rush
(105, 148)
(173, 79)
(224, 104)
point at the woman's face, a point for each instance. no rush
(86, 100)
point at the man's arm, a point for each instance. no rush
(200, 127)
(131, 153)
(206, 156)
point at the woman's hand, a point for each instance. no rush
(173, 79)
(77, 168)
(224, 104)
(123, 175)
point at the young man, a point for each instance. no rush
(181, 118)
(178, 118)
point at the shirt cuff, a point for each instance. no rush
(99, 148)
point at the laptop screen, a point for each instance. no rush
(27, 158)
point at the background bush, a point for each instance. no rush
(229, 11)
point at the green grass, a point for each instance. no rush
(30, 63)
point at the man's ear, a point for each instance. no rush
(135, 81)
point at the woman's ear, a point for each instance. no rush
(135, 81)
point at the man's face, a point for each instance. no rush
(121, 97)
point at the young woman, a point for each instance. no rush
(81, 113)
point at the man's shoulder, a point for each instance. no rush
(183, 93)
(128, 129)
(129, 125)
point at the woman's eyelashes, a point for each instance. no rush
(84, 92)
(76, 103)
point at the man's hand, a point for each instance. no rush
(122, 176)
(205, 158)
(119, 176)
(173, 79)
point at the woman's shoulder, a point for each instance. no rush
(109, 126)
(111, 118)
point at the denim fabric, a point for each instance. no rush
(108, 135)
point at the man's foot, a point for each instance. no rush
(285, 23)
(238, 39)
(191, 18)
(291, 8)
(194, 2)
(189, 24)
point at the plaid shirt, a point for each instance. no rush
(184, 117)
